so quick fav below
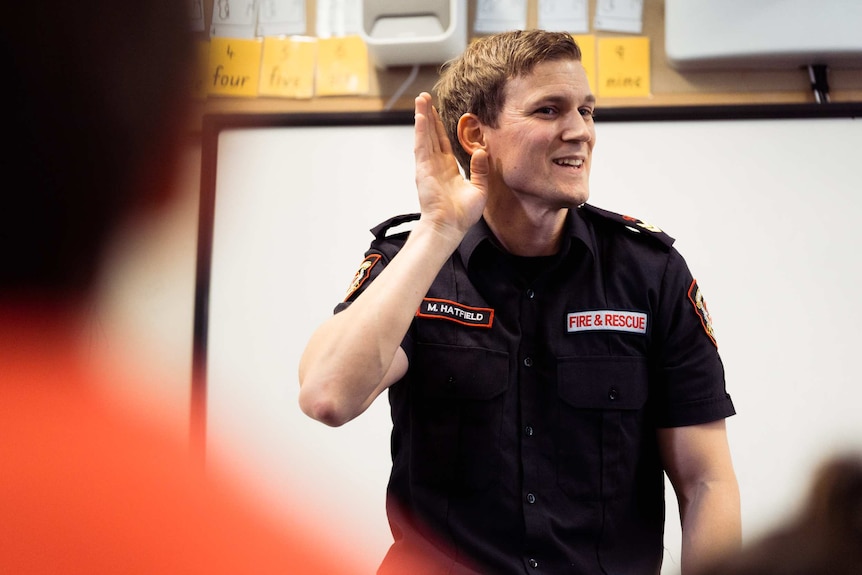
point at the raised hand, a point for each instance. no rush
(447, 200)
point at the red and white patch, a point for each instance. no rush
(696, 298)
(606, 320)
(643, 224)
(434, 308)
(362, 274)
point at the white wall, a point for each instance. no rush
(764, 212)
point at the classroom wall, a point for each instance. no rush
(670, 87)
(763, 210)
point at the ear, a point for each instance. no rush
(471, 133)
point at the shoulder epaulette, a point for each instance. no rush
(382, 230)
(633, 224)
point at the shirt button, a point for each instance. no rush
(528, 431)
(531, 294)
(528, 361)
(613, 394)
(533, 563)
(531, 498)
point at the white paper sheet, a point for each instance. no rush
(281, 17)
(619, 15)
(234, 19)
(500, 16)
(564, 16)
(338, 18)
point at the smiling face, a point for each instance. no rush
(541, 149)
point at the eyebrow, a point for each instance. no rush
(589, 99)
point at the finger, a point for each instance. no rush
(440, 129)
(423, 140)
(432, 120)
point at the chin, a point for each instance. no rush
(576, 198)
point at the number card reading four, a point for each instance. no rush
(234, 67)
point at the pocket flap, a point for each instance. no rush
(461, 373)
(603, 382)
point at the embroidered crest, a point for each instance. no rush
(362, 274)
(696, 298)
(632, 224)
(606, 320)
(642, 224)
(433, 308)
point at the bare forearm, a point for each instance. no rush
(711, 524)
(354, 356)
(348, 357)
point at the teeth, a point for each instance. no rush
(575, 163)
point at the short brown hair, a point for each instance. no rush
(475, 81)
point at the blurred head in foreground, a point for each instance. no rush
(96, 109)
(824, 537)
(96, 105)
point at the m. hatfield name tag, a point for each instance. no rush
(434, 308)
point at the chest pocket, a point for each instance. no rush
(457, 415)
(599, 424)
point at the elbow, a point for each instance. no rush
(323, 408)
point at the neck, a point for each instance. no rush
(527, 233)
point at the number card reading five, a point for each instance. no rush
(288, 67)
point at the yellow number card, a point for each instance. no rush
(587, 44)
(342, 66)
(624, 67)
(234, 67)
(288, 67)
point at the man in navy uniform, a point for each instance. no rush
(546, 361)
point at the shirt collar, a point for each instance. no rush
(578, 229)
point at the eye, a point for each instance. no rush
(587, 112)
(546, 110)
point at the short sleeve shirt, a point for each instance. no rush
(524, 432)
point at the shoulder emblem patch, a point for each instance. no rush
(362, 274)
(644, 225)
(696, 298)
(633, 224)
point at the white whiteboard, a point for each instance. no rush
(765, 212)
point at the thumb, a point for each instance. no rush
(479, 170)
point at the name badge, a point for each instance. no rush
(434, 308)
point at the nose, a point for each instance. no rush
(577, 128)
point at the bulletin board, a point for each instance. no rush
(394, 88)
(763, 201)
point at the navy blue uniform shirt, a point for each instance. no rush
(524, 433)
